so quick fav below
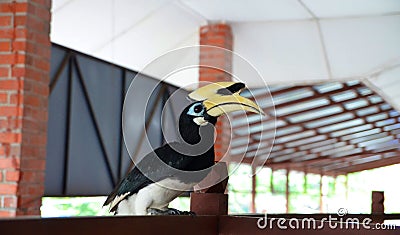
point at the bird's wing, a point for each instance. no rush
(149, 170)
(137, 177)
(131, 184)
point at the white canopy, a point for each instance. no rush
(288, 41)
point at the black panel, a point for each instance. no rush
(56, 134)
(86, 154)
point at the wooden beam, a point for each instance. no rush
(330, 165)
(282, 146)
(371, 165)
(322, 95)
(327, 159)
(353, 111)
(316, 95)
(320, 161)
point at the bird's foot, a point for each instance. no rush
(154, 211)
(169, 211)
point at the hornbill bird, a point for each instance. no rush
(162, 175)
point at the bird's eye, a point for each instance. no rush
(198, 109)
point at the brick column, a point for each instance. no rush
(213, 201)
(24, 78)
(219, 35)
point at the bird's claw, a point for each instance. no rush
(169, 211)
(178, 212)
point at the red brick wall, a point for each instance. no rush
(219, 35)
(24, 78)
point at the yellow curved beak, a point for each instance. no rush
(223, 97)
(218, 105)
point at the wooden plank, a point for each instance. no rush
(185, 225)
(111, 225)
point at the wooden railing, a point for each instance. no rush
(249, 224)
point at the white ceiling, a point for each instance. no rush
(288, 41)
(249, 11)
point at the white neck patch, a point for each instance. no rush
(200, 121)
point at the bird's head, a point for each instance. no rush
(211, 102)
(215, 100)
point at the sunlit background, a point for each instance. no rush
(353, 193)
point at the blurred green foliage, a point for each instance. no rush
(305, 190)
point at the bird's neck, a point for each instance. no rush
(191, 134)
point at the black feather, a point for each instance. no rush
(231, 89)
(136, 180)
(149, 170)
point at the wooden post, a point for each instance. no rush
(305, 183)
(346, 185)
(377, 205)
(321, 200)
(271, 181)
(253, 189)
(334, 184)
(209, 203)
(378, 198)
(287, 191)
(212, 200)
